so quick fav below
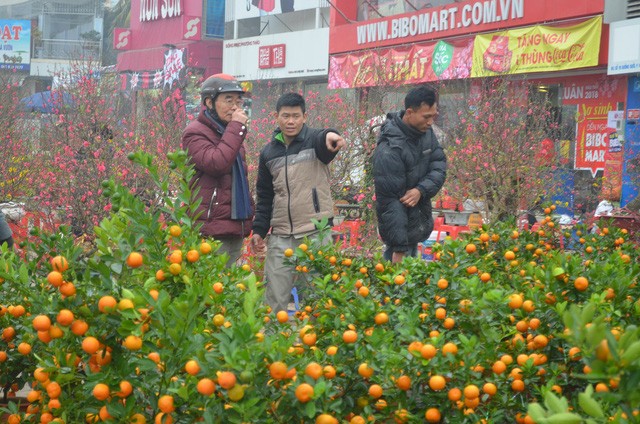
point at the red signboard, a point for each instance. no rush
(454, 19)
(595, 96)
(192, 28)
(273, 56)
(264, 57)
(405, 65)
(278, 55)
(121, 38)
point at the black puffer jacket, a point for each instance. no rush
(404, 159)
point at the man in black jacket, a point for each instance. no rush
(409, 168)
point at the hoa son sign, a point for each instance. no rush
(152, 10)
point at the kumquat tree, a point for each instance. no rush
(151, 327)
(124, 314)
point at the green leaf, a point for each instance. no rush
(631, 354)
(536, 412)
(310, 409)
(554, 403)
(564, 418)
(590, 405)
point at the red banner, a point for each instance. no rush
(407, 65)
(595, 96)
(612, 176)
(453, 19)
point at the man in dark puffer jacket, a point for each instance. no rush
(409, 168)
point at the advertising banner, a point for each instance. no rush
(407, 65)
(285, 55)
(167, 78)
(254, 8)
(595, 96)
(624, 47)
(16, 44)
(537, 49)
(432, 20)
(631, 165)
(612, 176)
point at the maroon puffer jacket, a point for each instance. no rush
(213, 154)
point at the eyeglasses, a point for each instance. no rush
(231, 102)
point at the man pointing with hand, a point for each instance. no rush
(293, 188)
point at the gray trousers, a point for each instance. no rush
(231, 246)
(281, 277)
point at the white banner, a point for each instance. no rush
(253, 8)
(624, 47)
(285, 55)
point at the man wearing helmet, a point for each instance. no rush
(215, 145)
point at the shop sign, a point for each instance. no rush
(631, 171)
(153, 10)
(624, 47)
(122, 38)
(408, 65)
(597, 97)
(272, 56)
(16, 44)
(192, 28)
(457, 18)
(285, 55)
(537, 49)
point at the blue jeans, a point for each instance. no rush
(411, 252)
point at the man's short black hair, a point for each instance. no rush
(290, 100)
(419, 95)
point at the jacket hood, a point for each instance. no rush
(395, 130)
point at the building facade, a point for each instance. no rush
(277, 46)
(51, 36)
(168, 40)
(561, 51)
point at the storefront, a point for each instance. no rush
(624, 61)
(277, 46)
(560, 51)
(169, 45)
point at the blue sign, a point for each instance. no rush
(215, 19)
(15, 44)
(631, 165)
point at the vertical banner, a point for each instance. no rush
(15, 45)
(612, 176)
(631, 166)
(538, 48)
(595, 96)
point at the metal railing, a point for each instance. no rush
(66, 49)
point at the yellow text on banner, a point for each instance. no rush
(538, 48)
